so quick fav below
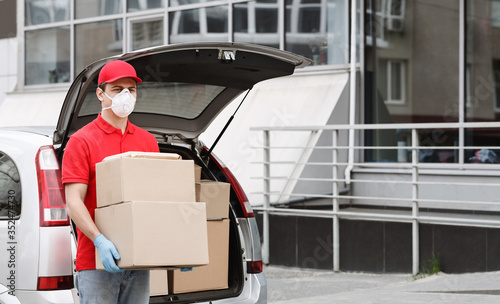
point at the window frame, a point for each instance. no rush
(496, 87)
(403, 83)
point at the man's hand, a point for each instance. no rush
(108, 253)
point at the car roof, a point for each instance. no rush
(39, 130)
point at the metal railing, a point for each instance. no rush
(272, 198)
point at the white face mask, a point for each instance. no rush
(122, 104)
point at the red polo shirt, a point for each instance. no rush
(90, 145)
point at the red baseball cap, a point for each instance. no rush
(115, 70)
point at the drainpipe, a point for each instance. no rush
(352, 121)
(352, 95)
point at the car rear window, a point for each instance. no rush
(184, 100)
(10, 189)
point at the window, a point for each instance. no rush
(217, 19)
(495, 13)
(46, 11)
(424, 84)
(375, 11)
(185, 2)
(139, 5)
(94, 8)
(47, 56)
(395, 15)
(97, 40)
(406, 79)
(256, 22)
(146, 34)
(392, 80)
(64, 36)
(483, 78)
(203, 24)
(309, 16)
(483, 62)
(182, 23)
(317, 29)
(496, 83)
(163, 98)
(10, 189)
(266, 16)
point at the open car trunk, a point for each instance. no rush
(184, 88)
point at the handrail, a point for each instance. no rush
(410, 174)
(408, 126)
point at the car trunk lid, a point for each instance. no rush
(185, 86)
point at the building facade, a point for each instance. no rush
(374, 62)
(419, 61)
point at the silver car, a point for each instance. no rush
(185, 86)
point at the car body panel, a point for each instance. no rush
(22, 145)
(46, 297)
(254, 292)
(6, 298)
(252, 239)
(55, 258)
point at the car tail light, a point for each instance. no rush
(242, 197)
(50, 188)
(254, 267)
(55, 283)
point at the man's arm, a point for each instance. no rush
(75, 197)
(75, 204)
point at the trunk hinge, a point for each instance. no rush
(168, 139)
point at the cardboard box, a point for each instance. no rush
(158, 282)
(151, 235)
(141, 176)
(212, 276)
(197, 173)
(216, 196)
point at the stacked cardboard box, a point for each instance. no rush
(214, 275)
(147, 208)
(158, 282)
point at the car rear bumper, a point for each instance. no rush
(254, 291)
(45, 297)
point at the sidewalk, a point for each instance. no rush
(293, 286)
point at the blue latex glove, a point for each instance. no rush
(186, 269)
(108, 253)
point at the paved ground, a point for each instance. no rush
(293, 286)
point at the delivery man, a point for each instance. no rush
(110, 133)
